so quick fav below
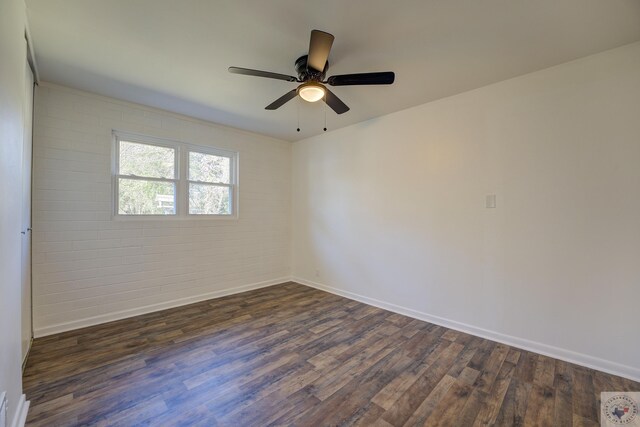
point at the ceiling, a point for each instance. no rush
(174, 54)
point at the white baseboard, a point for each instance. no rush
(537, 347)
(26, 356)
(20, 418)
(109, 317)
(585, 360)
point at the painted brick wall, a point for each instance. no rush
(89, 268)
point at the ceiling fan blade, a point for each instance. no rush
(258, 73)
(382, 78)
(282, 100)
(334, 102)
(319, 48)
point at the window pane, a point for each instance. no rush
(146, 160)
(209, 200)
(138, 197)
(209, 168)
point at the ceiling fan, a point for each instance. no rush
(311, 70)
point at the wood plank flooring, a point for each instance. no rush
(293, 355)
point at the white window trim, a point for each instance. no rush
(182, 150)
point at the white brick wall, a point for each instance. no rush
(88, 268)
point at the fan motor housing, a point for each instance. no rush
(305, 73)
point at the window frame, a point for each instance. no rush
(181, 177)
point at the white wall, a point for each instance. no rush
(391, 211)
(13, 56)
(88, 268)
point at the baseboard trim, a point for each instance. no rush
(119, 315)
(26, 356)
(534, 346)
(20, 418)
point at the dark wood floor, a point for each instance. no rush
(293, 355)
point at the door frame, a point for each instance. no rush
(31, 64)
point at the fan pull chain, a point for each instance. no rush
(298, 108)
(325, 112)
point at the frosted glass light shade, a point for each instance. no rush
(311, 92)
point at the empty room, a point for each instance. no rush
(329, 213)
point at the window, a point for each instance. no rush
(209, 184)
(146, 179)
(160, 178)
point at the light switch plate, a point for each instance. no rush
(491, 201)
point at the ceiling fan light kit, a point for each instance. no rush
(311, 70)
(311, 91)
